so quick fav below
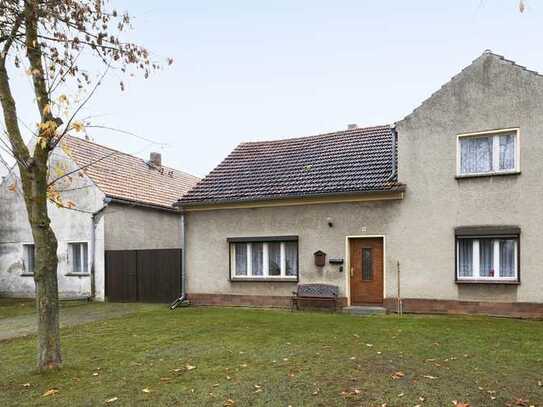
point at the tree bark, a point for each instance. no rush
(45, 242)
(45, 275)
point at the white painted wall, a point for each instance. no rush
(69, 226)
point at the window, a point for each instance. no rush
(29, 258)
(79, 260)
(488, 153)
(487, 258)
(367, 264)
(274, 259)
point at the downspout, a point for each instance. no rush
(182, 300)
(94, 217)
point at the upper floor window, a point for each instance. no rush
(488, 153)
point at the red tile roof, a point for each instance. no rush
(350, 161)
(123, 176)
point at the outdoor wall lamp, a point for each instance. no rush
(329, 221)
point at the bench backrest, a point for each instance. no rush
(317, 290)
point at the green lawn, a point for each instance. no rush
(243, 357)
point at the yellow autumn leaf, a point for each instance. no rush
(47, 109)
(78, 126)
(63, 99)
(50, 392)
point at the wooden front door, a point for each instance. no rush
(366, 276)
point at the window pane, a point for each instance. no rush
(507, 258)
(475, 154)
(367, 264)
(291, 254)
(507, 152)
(257, 259)
(465, 258)
(240, 251)
(29, 258)
(76, 258)
(85, 259)
(274, 259)
(486, 258)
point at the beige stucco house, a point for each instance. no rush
(443, 207)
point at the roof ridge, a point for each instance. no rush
(127, 154)
(332, 133)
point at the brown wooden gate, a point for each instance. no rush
(143, 275)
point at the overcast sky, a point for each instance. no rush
(258, 70)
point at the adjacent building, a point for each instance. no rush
(112, 204)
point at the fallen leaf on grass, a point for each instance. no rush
(146, 390)
(429, 377)
(190, 367)
(369, 345)
(165, 379)
(316, 392)
(521, 402)
(401, 394)
(460, 404)
(229, 403)
(26, 385)
(112, 400)
(398, 375)
(50, 392)
(95, 374)
(243, 365)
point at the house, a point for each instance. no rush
(441, 209)
(115, 208)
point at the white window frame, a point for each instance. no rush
(495, 134)
(265, 260)
(496, 260)
(25, 258)
(83, 267)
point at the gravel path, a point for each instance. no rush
(24, 325)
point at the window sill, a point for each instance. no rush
(493, 282)
(27, 275)
(77, 274)
(263, 280)
(487, 174)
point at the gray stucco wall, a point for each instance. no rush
(69, 226)
(207, 257)
(489, 94)
(133, 228)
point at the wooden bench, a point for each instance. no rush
(316, 294)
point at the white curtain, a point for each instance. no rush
(465, 258)
(486, 258)
(240, 251)
(274, 256)
(291, 254)
(507, 258)
(475, 154)
(257, 259)
(507, 152)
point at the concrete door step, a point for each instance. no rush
(365, 310)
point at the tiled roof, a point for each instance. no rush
(123, 176)
(350, 161)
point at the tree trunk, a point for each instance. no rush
(45, 274)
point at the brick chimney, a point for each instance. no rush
(156, 159)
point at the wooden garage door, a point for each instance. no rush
(143, 275)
